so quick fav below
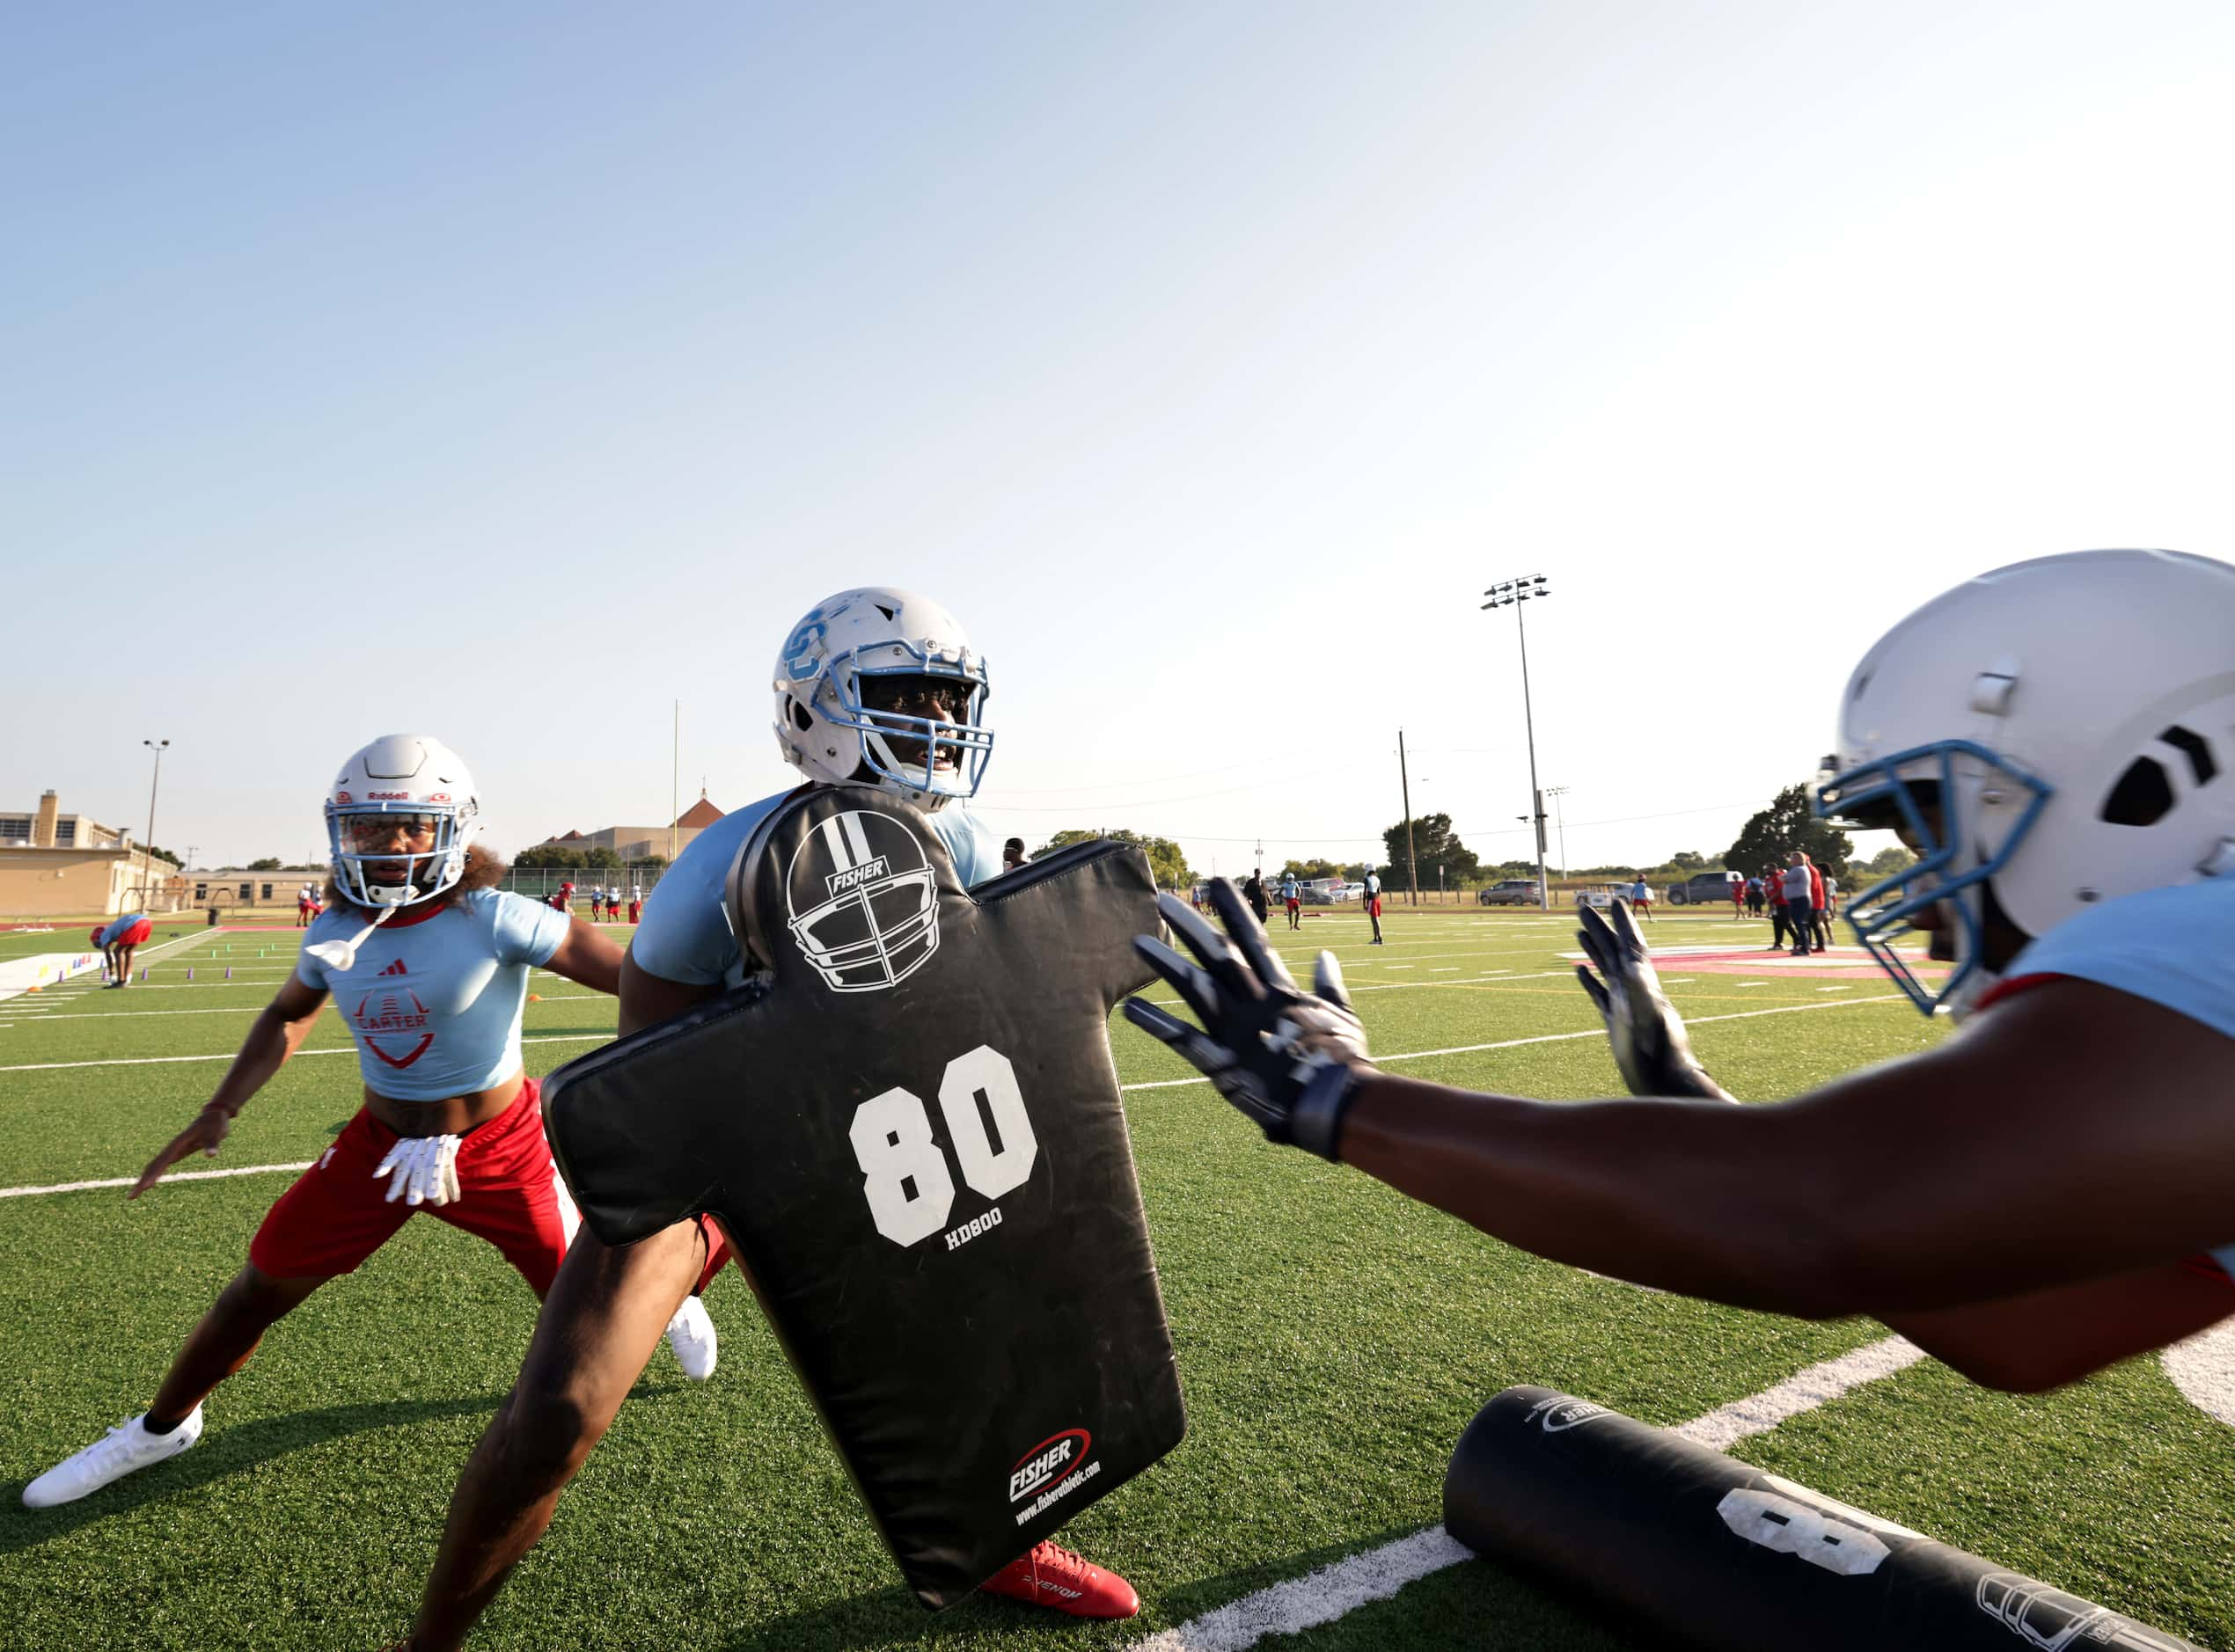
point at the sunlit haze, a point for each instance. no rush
(510, 373)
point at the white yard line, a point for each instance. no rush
(125, 1181)
(338, 1049)
(1554, 1038)
(258, 1009)
(1154, 1084)
(1334, 1592)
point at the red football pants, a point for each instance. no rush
(338, 1213)
(509, 1193)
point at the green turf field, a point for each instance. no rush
(1333, 1340)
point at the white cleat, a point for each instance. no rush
(123, 1450)
(690, 1335)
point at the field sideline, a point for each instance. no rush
(1333, 1339)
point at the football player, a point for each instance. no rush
(428, 961)
(119, 939)
(874, 687)
(2044, 1194)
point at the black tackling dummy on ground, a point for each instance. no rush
(1702, 1551)
(909, 1127)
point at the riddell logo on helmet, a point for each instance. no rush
(387, 797)
(438, 797)
(1048, 1461)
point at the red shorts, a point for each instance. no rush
(1374, 906)
(1295, 906)
(135, 936)
(337, 1213)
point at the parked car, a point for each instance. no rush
(1602, 894)
(1511, 892)
(1705, 888)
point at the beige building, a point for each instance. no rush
(641, 843)
(229, 886)
(54, 865)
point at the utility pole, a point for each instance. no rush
(1556, 792)
(1411, 862)
(147, 848)
(1511, 594)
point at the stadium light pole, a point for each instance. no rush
(147, 849)
(1511, 594)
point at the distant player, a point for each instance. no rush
(1738, 897)
(1292, 899)
(1371, 901)
(1641, 896)
(1012, 854)
(120, 938)
(427, 962)
(914, 729)
(635, 902)
(2031, 1202)
(303, 907)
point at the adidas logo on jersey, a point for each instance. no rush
(396, 969)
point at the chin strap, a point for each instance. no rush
(340, 956)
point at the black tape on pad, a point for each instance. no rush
(1701, 1550)
(909, 1127)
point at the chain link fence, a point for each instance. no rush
(541, 883)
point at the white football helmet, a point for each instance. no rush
(400, 774)
(825, 729)
(2053, 733)
(862, 901)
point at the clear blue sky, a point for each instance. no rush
(1208, 360)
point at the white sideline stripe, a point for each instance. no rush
(1550, 1038)
(1333, 1591)
(125, 1181)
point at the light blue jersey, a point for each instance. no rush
(686, 935)
(435, 1002)
(2174, 947)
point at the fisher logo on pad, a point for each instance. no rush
(861, 902)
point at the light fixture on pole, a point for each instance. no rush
(1511, 594)
(147, 848)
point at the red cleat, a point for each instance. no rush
(1055, 1577)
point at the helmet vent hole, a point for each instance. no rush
(2193, 745)
(2142, 797)
(890, 613)
(800, 719)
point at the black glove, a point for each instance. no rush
(1288, 1058)
(1648, 1036)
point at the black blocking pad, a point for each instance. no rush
(1691, 1548)
(909, 1126)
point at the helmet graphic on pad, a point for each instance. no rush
(863, 903)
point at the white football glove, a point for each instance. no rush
(426, 1170)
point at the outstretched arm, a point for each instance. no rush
(2077, 1133)
(275, 1035)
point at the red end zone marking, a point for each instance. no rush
(1841, 963)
